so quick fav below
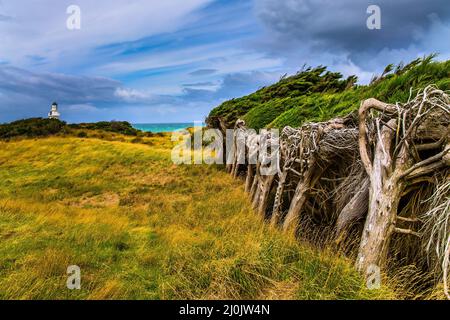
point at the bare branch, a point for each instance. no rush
(404, 219)
(431, 146)
(408, 231)
(438, 157)
(366, 106)
(419, 180)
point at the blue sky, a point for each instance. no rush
(174, 60)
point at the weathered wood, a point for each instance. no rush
(424, 164)
(277, 206)
(235, 165)
(384, 197)
(230, 155)
(446, 158)
(249, 178)
(230, 160)
(408, 232)
(264, 196)
(354, 211)
(257, 195)
(380, 224)
(432, 145)
(405, 219)
(366, 106)
(392, 147)
(310, 177)
(392, 166)
(255, 183)
(240, 151)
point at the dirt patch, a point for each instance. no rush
(100, 201)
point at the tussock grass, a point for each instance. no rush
(142, 228)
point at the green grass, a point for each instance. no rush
(318, 95)
(142, 228)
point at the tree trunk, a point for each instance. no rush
(353, 211)
(236, 170)
(380, 225)
(309, 179)
(235, 165)
(255, 183)
(249, 179)
(277, 206)
(385, 192)
(264, 197)
(257, 195)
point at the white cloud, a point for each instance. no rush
(223, 57)
(130, 94)
(38, 28)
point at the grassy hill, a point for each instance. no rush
(315, 94)
(142, 228)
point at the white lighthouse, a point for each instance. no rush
(54, 114)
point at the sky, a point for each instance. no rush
(152, 61)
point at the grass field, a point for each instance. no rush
(140, 227)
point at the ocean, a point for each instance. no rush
(162, 127)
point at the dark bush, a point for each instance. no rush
(35, 127)
(137, 140)
(82, 134)
(121, 127)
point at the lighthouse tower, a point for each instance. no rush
(54, 114)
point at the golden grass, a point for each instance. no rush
(141, 228)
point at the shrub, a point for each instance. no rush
(121, 127)
(35, 127)
(137, 140)
(319, 95)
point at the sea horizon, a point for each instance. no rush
(163, 127)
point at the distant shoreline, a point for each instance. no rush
(162, 127)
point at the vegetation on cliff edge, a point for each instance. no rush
(315, 94)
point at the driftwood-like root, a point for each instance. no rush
(278, 203)
(354, 211)
(249, 178)
(301, 195)
(391, 159)
(264, 195)
(370, 170)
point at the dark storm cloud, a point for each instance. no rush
(341, 25)
(82, 98)
(57, 86)
(26, 94)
